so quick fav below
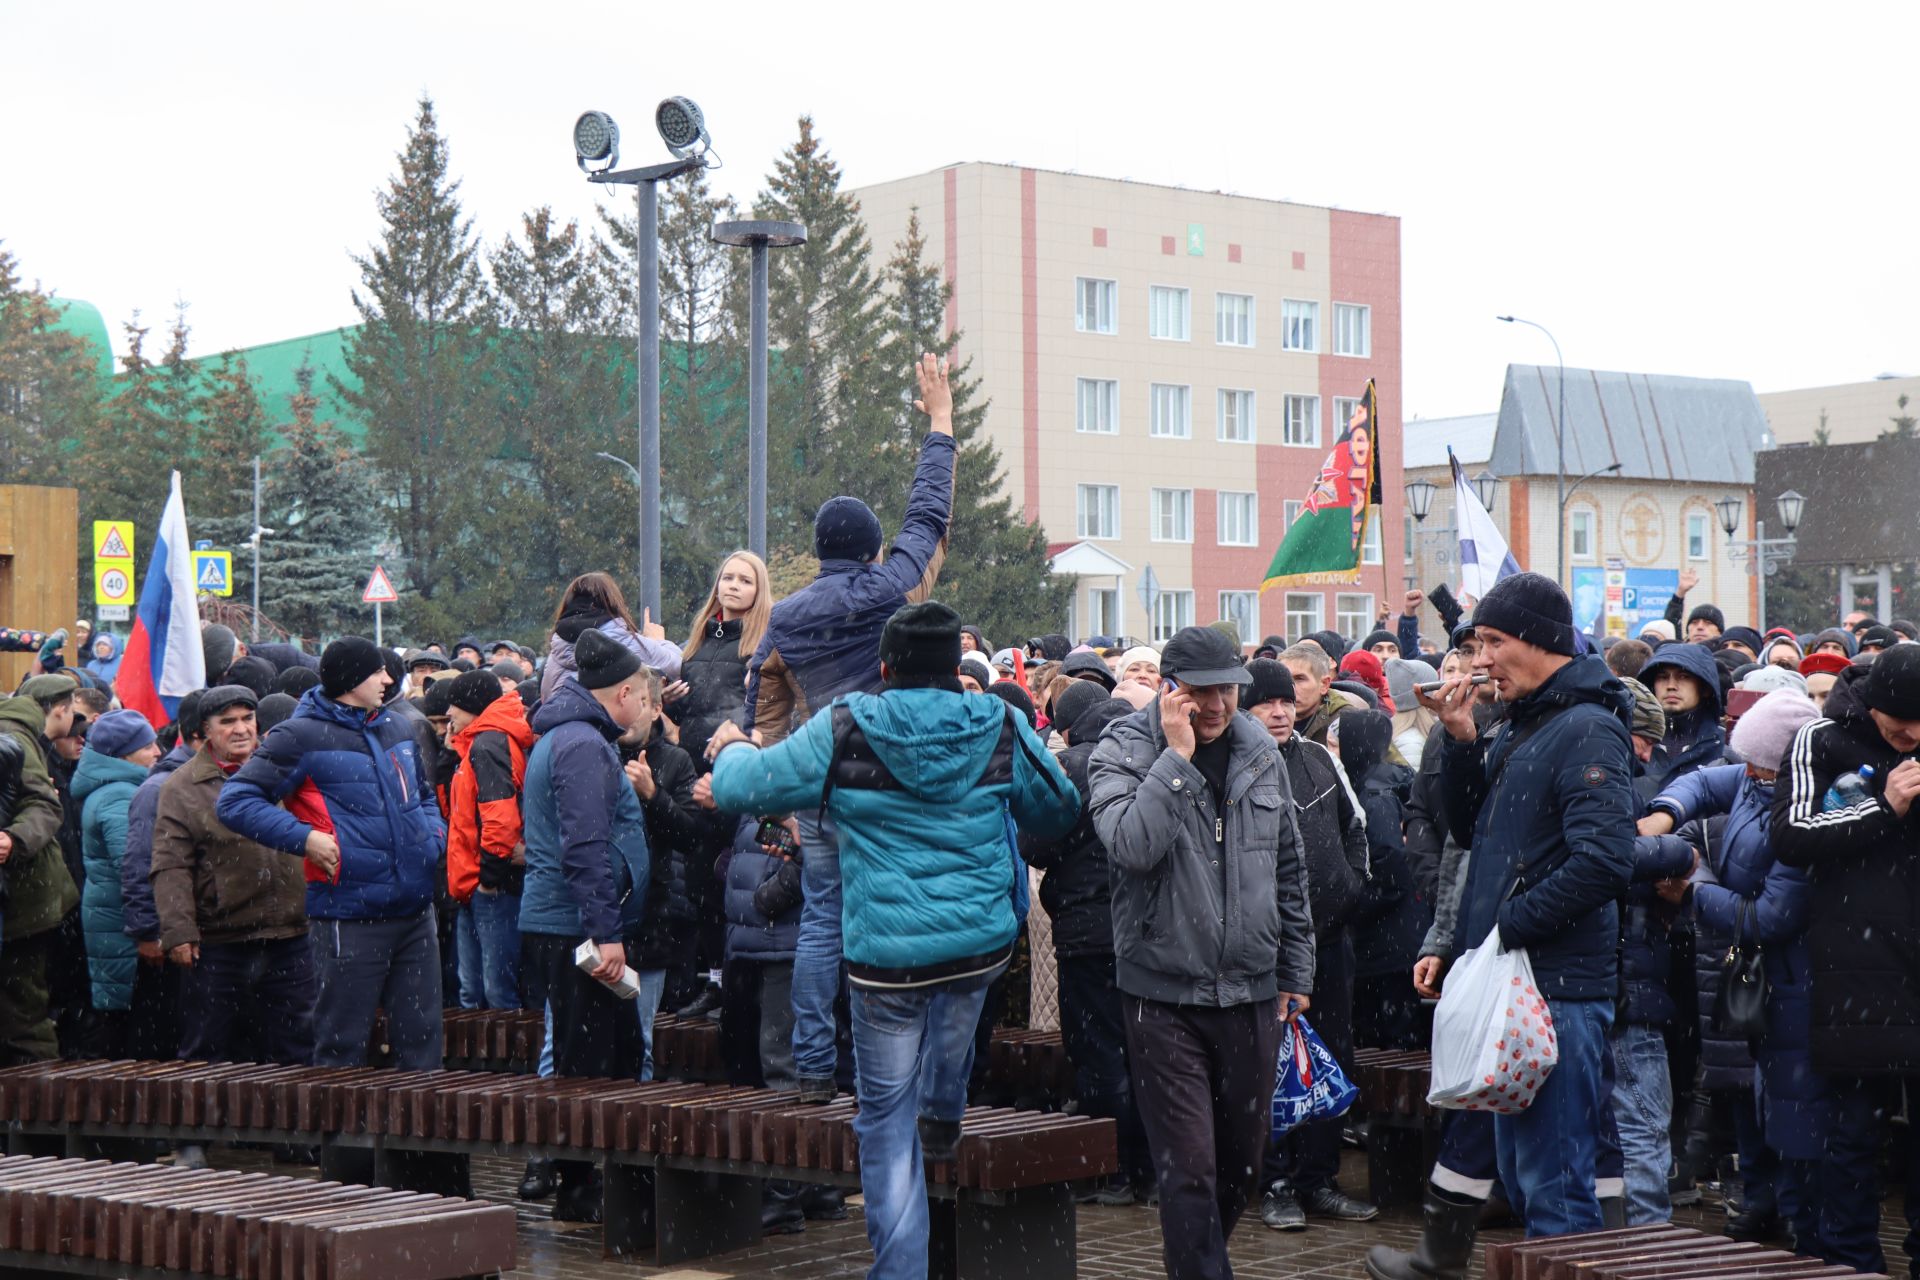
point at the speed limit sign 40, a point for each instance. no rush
(113, 582)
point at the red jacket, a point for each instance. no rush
(483, 801)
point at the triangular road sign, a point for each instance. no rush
(115, 547)
(379, 589)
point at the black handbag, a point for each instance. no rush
(1740, 1006)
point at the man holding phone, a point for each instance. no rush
(1213, 940)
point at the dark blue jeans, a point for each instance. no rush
(487, 933)
(817, 955)
(249, 1002)
(1548, 1153)
(364, 965)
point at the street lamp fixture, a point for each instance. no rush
(1729, 508)
(1420, 499)
(759, 236)
(1791, 505)
(1560, 445)
(1486, 486)
(1763, 555)
(596, 142)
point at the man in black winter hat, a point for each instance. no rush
(1546, 803)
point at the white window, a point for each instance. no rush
(1406, 547)
(1352, 329)
(1173, 515)
(1343, 411)
(1239, 519)
(1306, 613)
(1235, 416)
(1096, 306)
(1242, 609)
(1303, 421)
(1370, 552)
(1172, 610)
(1103, 612)
(1168, 313)
(1170, 411)
(1289, 512)
(1698, 544)
(1233, 319)
(1096, 406)
(1299, 325)
(1580, 533)
(1353, 614)
(1097, 507)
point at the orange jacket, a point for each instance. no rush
(483, 801)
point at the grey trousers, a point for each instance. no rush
(364, 965)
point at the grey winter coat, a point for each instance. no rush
(1200, 919)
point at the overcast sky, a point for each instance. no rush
(1717, 190)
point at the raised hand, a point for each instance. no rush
(936, 397)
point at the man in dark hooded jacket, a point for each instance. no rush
(1686, 680)
(1547, 806)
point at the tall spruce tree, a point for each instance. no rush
(50, 393)
(231, 431)
(320, 500)
(996, 572)
(557, 510)
(145, 432)
(420, 360)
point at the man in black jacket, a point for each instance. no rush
(1076, 891)
(1864, 930)
(1300, 1169)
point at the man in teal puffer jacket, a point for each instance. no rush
(926, 786)
(120, 750)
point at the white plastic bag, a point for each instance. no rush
(1493, 1041)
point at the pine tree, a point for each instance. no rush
(50, 396)
(420, 358)
(996, 573)
(556, 510)
(231, 432)
(834, 423)
(320, 500)
(145, 432)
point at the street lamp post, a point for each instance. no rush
(1560, 444)
(1764, 555)
(1486, 486)
(759, 236)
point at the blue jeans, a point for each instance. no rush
(912, 1051)
(816, 956)
(545, 1070)
(1547, 1152)
(653, 983)
(487, 933)
(1643, 1112)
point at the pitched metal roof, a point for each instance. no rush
(1658, 427)
(1424, 441)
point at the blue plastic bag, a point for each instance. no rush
(1311, 1085)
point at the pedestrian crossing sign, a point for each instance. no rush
(213, 572)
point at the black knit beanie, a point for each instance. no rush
(601, 661)
(1892, 684)
(346, 662)
(846, 529)
(1708, 613)
(922, 640)
(1533, 608)
(472, 691)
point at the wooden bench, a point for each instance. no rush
(1403, 1132)
(1648, 1253)
(89, 1217)
(683, 1163)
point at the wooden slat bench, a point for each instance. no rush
(683, 1163)
(1403, 1132)
(89, 1217)
(1649, 1253)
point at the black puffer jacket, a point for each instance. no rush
(1075, 887)
(673, 826)
(1333, 835)
(1864, 932)
(716, 676)
(1390, 919)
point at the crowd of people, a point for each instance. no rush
(819, 819)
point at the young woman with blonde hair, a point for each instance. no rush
(726, 631)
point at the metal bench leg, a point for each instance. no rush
(339, 1163)
(626, 1210)
(671, 1215)
(440, 1173)
(1029, 1237)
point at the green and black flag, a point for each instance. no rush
(1323, 543)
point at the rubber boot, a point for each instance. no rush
(1446, 1244)
(1613, 1212)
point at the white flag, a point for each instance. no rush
(1484, 558)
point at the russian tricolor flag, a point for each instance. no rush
(164, 661)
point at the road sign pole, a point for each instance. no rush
(378, 639)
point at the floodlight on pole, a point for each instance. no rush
(684, 129)
(596, 142)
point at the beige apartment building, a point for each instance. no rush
(1166, 370)
(1681, 445)
(1853, 412)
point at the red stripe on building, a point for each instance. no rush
(952, 213)
(1029, 345)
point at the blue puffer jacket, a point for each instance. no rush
(1560, 820)
(927, 868)
(104, 785)
(751, 935)
(1646, 956)
(107, 668)
(1694, 738)
(1779, 904)
(142, 922)
(824, 639)
(358, 774)
(585, 831)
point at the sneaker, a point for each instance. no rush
(1280, 1211)
(190, 1156)
(824, 1204)
(816, 1089)
(939, 1139)
(1328, 1203)
(1114, 1192)
(538, 1181)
